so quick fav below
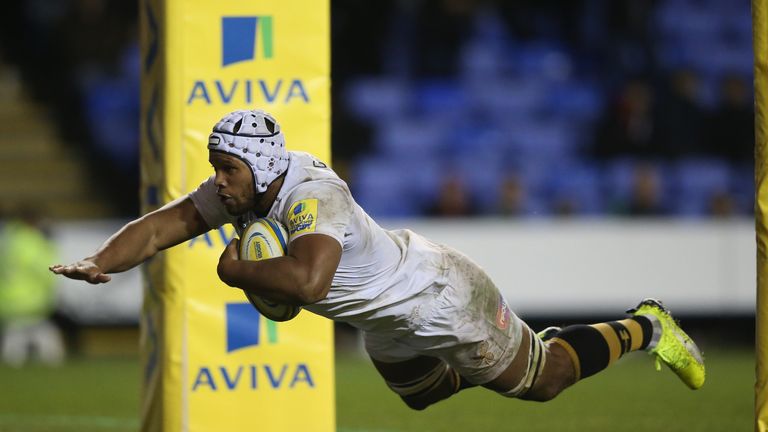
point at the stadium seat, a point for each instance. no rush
(580, 184)
(112, 105)
(441, 97)
(509, 97)
(545, 140)
(696, 180)
(414, 137)
(576, 101)
(546, 61)
(381, 188)
(374, 98)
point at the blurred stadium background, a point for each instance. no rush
(582, 146)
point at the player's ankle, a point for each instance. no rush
(656, 333)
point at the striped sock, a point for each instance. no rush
(594, 347)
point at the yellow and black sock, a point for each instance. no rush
(594, 347)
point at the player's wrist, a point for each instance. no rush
(93, 261)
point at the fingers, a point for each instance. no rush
(70, 270)
(234, 243)
(100, 278)
(81, 271)
(232, 249)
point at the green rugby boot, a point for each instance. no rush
(675, 348)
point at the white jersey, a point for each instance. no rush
(411, 297)
(379, 269)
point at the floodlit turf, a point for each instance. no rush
(81, 395)
(629, 396)
(102, 395)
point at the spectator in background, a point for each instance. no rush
(681, 116)
(629, 126)
(564, 206)
(722, 205)
(731, 132)
(511, 196)
(645, 198)
(453, 199)
(27, 296)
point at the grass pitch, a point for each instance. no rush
(103, 395)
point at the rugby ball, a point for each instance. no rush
(266, 238)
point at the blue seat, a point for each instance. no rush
(380, 187)
(696, 181)
(579, 183)
(543, 61)
(743, 188)
(544, 140)
(112, 111)
(508, 97)
(413, 137)
(576, 100)
(377, 99)
(441, 97)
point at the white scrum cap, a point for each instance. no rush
(254, 137)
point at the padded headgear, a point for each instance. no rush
(254, 137)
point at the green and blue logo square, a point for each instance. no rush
(241, 37)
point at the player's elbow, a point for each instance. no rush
(313, 290)
(312, 294)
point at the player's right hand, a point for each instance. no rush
(82, 270)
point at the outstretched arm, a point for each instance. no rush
(302, 277)
(137, 241)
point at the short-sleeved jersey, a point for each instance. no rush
(379, 269)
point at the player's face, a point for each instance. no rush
(234, 183)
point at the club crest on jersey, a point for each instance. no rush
(302, 216)
(502, 314)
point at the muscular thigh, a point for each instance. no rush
(481, 332)
(464, 321)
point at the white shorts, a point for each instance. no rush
(462, 319)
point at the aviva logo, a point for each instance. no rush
(243, 330)
(243, 39)
(244, 327)
(240, 36)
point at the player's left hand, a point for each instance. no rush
(85, 270)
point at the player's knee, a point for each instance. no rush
(417, 403)
(544, 393)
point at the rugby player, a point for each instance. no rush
(433, 321)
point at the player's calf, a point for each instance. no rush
(594, 347)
